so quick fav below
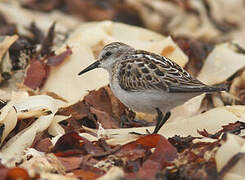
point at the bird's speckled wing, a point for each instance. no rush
(144, 71)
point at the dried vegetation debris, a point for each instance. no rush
(199, 19)
(20, 51)
(97, 107)
(50, 135)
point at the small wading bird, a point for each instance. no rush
(147, 82)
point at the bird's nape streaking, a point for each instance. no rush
(146, 82)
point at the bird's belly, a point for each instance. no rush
(147, 101)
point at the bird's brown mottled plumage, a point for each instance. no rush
(142, 70)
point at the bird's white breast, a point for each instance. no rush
(148, 100)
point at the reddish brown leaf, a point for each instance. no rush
(161, 157)
(140, 145)
(72, 141)
(104, 118)
(78, 110)
(69, 153)
(99, 100)
(43, 145)
(118, 108)
(70, 163)
(68, 141)
(80, 115)
(149, 141)
(164, 151)
(91, 148)
(137, 151)
(102, 101)
(17, 173)
(58, 59)
(87, 174)
(78, 162)
(98, 106)
(134, 150)
(36, 74)
(3, 172)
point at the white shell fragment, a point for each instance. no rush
(9, 121)
(9, 114)
(11, 152)
(188, 109)
(55, 129)
(221, 63)
(233, 145)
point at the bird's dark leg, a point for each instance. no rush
(160, 120)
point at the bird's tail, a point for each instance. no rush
(216, 88)
(198, 89)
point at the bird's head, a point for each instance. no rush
(108, 56)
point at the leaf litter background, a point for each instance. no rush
(54, 124)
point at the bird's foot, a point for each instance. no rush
(160, 120)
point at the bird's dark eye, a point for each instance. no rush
(107, 54)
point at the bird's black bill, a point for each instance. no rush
(90, 67)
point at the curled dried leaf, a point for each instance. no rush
(58, 59)
(36, 74)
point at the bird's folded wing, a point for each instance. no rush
(159, 73)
